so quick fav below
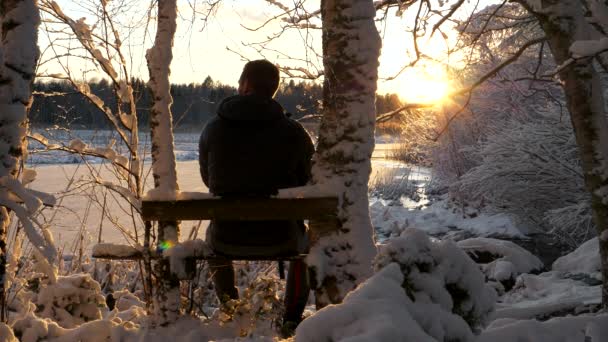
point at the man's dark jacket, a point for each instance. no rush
(251, 148)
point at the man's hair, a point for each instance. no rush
(262, 76)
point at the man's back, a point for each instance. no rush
(252, 149)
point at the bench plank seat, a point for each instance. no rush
(240, 209)
(201, 206)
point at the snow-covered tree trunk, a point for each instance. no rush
(18, 57)
(166, 297)
(564, 24)
(351, 47)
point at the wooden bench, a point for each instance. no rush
(321, 210)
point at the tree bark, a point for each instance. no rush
(18, 58)
(351, 47)
(564, 23)
(167, 295)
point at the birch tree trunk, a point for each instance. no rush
(564, 23)
(351, 47)
(18, 57)
(166, 296)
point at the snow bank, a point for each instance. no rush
(540, 296)
(447, 287)
(438, 219)
(562, 329)
(501, 260)
(585, 259)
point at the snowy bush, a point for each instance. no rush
(377, 310)
(71, 301)
(439, 274)
(501, 261)
(531, 170)
(257, 308)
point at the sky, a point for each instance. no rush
(219, 46)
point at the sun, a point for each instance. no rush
(423, 85)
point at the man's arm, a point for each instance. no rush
(203, 155)
(307, 150)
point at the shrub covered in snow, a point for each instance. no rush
(530, 169)
(379, 310)
(501, 261)
(438, 274)
(256, 309)
(71, 301)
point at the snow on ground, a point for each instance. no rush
(544, 295)
(562, 329)
(438, 219)
(584, 260)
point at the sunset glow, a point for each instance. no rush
(423, 86)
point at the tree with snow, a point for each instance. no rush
(351, 47)
(18, 57)
(167, 296)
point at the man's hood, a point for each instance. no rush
(250, 108)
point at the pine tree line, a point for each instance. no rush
(57, 103)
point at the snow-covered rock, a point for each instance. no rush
(587, 328)
(545, 295)
(585, 259)
(501, 260)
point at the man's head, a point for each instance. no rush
(259, 77)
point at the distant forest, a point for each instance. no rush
(57, 103)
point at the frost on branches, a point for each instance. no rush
(167, 297)
(18, 57)
(566, 23)
(351, 46)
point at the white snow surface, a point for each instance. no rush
(439, 218)
(562, 329)
(585, 259)
(105, 249)
(535, 295)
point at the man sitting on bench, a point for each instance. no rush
(252, 149)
